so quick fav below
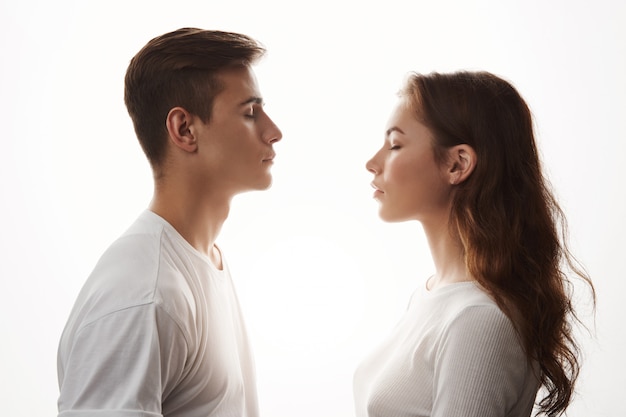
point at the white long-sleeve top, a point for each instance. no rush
(453, 354)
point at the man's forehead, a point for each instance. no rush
(240, 84)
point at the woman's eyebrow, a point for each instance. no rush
(393, 129)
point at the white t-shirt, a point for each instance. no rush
(156, 330)
(453, 354)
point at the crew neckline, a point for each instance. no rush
(447, 287)
(171, 230)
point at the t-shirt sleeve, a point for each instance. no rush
(123, 364)
(480, 368)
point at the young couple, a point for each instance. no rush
(157, 329)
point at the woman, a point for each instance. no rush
(493, 324)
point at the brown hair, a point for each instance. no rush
(510, 224)
(179, 69)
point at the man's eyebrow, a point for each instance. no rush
(253, 99)
(393, 129)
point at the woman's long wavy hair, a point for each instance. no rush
(511, 227)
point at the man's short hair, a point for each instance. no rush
(179, 69)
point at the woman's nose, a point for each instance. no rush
(372, 166)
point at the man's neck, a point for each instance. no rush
(197, 217)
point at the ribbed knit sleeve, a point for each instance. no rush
(479, 366)
(454, 353)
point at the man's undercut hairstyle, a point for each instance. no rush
(179, 69)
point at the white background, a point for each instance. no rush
(320, 277)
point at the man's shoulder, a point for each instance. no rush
(131, 271)
(133, 257)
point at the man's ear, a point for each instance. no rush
(179, 128)
(462, 161)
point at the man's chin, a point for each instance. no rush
(265, 187)
(259, 186)
(264, 183)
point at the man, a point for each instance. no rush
(157, 328)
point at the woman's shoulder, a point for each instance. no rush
(460, 295)
(473, 311)
(467, 305)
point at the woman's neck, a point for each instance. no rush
(448, 256)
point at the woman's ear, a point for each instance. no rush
(462, 161)
(179, 128)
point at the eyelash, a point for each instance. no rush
(394, 148)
